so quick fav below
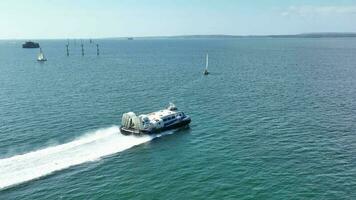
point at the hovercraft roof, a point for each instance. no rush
(160, 114)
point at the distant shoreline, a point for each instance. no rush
(302, 35)
(216, 36)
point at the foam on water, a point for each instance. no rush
(90, 147)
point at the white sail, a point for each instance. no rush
(207, 61)
(206, 65)
(41, 56)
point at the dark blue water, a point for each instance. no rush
(275, 119)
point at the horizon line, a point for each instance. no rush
(321, 34)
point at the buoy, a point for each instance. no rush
(67, 46)
(82, 49)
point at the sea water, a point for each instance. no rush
(274, 119)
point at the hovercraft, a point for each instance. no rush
(168, 118)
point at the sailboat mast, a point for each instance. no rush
(207, 61)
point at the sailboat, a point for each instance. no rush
(206, 72)
(41, 57)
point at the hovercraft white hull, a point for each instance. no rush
(155, 122)
(131, 131)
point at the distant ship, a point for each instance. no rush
(130, 38)
(41, 56)
(30, 44)
(161, 120)
(206, 72)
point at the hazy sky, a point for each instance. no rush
(116, 18)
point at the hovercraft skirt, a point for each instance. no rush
(130, 131)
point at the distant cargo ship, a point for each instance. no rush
(30, 44)
(130, 38)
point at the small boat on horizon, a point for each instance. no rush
(41, 57)
(30, 45)
(165, 119)
(206, 72)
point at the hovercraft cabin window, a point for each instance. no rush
(169, 118)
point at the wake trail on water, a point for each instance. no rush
(90, 147)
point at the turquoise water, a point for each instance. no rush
(275, 119)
